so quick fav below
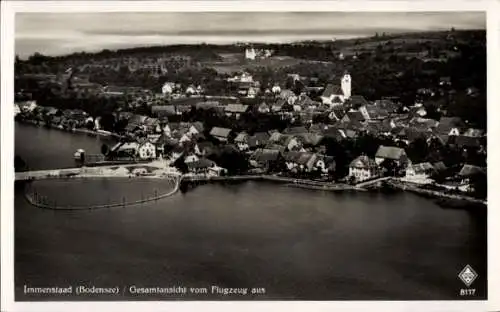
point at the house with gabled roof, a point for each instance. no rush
(357, 101)
(235, 110)
(163, 110)
(263, 108)
(467, 173)
(221, 134)
(196, 128)
(333, 95)
(410, 134)
(396, 154)
(420, 172)
(289, 96)
(207, 105)
(335, 133)
(373, 112)
(471, 132)
(378, 128)
(353, 116)
(465, 142)
(200, 166)
(300, 161)
(290, 142)
(266, 159)
(417, 111)
(450, 126)
(363, 168)
(262, 138)
(310, 139)
(241, 141)
(205, 149)
(275, 136)
(135, 122)
(295, 130)
(27, 106)
(147, 150)
(387, 105)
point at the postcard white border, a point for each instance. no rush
(8, 8)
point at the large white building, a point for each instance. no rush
(334, 94)
(250, 54)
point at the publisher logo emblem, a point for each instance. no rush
(468, 275)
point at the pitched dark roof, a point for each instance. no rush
(220, 132)
(355, 116)
(465, 141)
(295, 130)
(375, 112)
(312, 139)
(163, 110)
(151, 122)
(390, 152)
(207, 104)
(262, 137)
(236, 108)
(266, 155)
(378, 127)
(198, 125)
(318, 127)
(275, 137)
(332, 89)
(334, 133)
(363, 162)
(439, 166)
(448, 123)
(241, 137)
(425, 167)
(358, 100)
(388, 105)
(411, 134)
(252, 142)
(423, 123)
(470, 170)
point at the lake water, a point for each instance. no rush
(295, 243)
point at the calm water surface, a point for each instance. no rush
(295, 243)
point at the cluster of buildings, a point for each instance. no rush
(253, 54)
(336, 114)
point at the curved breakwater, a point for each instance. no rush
(41, 202)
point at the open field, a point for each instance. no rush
(233, 64)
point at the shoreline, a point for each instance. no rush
(406, 187)
(292, 182)
(287, 181)
(332, 187)
(75, 130)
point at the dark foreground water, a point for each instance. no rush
(294, 243)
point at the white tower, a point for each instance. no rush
(345, 84)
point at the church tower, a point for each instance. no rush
(345, 84)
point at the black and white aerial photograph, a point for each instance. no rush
(250, 156)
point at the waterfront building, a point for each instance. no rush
(396, 154)
(363, 168)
